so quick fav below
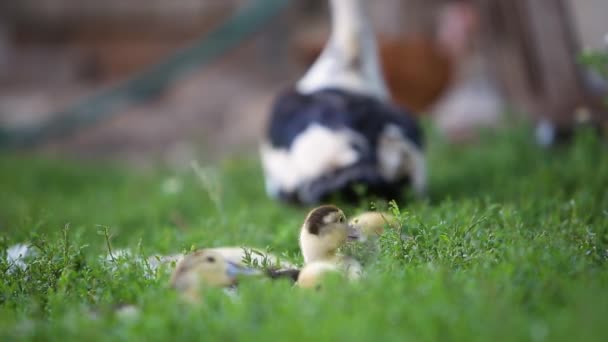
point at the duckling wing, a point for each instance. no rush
(326, 141)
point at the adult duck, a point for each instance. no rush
(338, 129)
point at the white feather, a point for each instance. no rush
(399, 157)
(315, 152)
(350, 59)
(16, 254)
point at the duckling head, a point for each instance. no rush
(371, 224)
(205, 268)
(323, 232)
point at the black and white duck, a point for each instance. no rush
(338, 128)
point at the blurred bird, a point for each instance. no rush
(337, 128)
(238, 255)
(324, 231)
(322, 234)
(371, 224)
(417, 69)
(442, 74)
(204, 269)
(235, 255)
(312, 274)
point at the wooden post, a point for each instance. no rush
(533, 49)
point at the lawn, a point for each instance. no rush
(511, 244)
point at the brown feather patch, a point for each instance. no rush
(314, 221)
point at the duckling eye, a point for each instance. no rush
(210, 259)
(341, 219)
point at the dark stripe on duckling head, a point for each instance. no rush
(314, 221)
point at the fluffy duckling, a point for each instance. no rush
(205, 268)
(324, 231)
(371, 224)
(311, 274)
(238, 254)
(234, 255)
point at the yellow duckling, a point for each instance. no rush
(238, 254)
(324, 231)
(235, 255)
(371, 224)
(205, 268)
(311, 274)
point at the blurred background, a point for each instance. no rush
(144, 81)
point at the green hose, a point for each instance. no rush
(142, 87)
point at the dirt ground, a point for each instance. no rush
(217, 110)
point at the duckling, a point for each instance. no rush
(238, 254)
(324, 231)
(371, 224)
(311, 275)
(205, 268)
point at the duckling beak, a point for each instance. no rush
(354, 233)
(234, 270)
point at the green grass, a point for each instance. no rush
(512, 244)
